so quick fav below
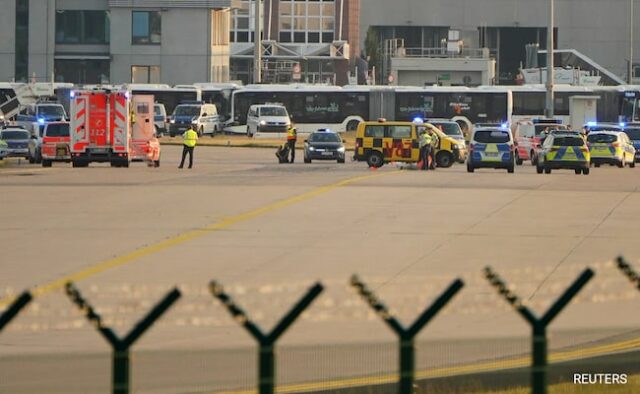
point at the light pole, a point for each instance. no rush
(550, 77)
(257, 55)
(630, 71)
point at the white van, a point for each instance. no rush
(267, 118)
(160, 119)
(203, 117)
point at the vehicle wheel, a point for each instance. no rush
(125, 164)
(547, 170)
(578, 171)
(375, 159)
(341, 161)
(585, 171)
(306, 160)
(519, 161)
(444, 159)
(76, 164)
(597, 165)
(534, 158)
(352, 125)
(511, 169)
(470, 167)
(46, 163)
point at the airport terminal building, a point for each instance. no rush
(176, 41)
(597, 29)
(409, 41)
(114, 41)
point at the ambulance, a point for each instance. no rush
(111, 127)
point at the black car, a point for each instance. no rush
(323, 144)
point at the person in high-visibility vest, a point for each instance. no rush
(425, 142)
(435, 143)
(292, 137)
(189, 141)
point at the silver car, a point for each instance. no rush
(35, 145)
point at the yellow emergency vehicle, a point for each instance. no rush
(382, 141)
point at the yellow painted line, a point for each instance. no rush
(452, 371)
(187, 236)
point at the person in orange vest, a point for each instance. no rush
(292, 137)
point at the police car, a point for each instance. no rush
(633, 132)
(491, 147)
(564, 150)
(611, 147)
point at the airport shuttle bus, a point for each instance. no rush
(167, 95)
(462, 104)
(615, 104)
(310, 107)
(342, 108)
(220, 95)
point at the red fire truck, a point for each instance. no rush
(104, 128)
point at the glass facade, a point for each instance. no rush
(91, 71)
(243, 21)
(145, 74)
(82, 27)
(307, 21)
(22, 40)
(146, 27)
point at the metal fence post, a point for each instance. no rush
(538, 325)
(266, 341)
(15, 308)
(120, 378)
(406, 335)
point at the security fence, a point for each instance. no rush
(404, 382)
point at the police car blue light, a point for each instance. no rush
(418, 120)
(41, 120)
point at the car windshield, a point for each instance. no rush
(273, 111)
(634, 134)
(187, 110)
(58, 130)
(568, 141)
(51, 110)
(15, 135)
(491, 136)
(324, 137)
(449, 128)
(602, 138)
